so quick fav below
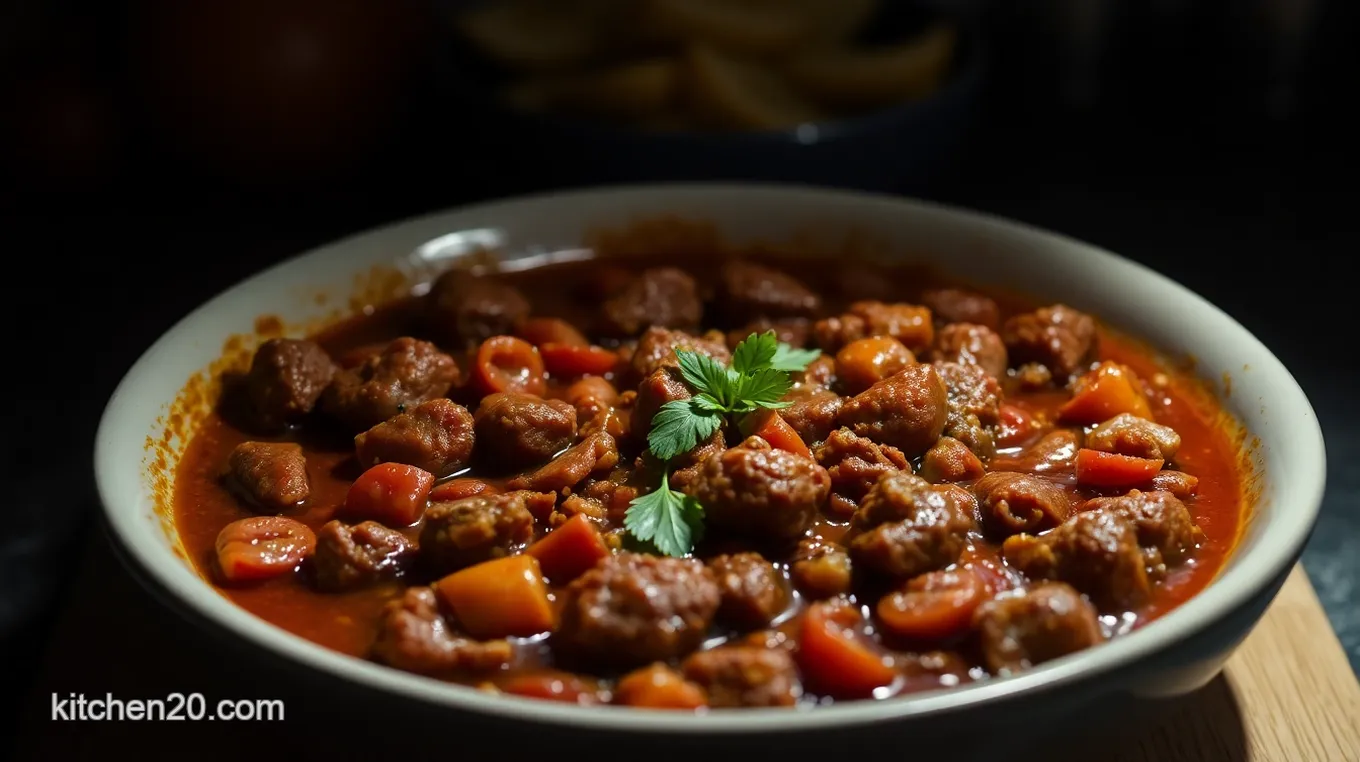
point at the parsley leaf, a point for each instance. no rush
(680, 425)
(763, 388)
(670, 521)
(755, 352)
(787, 358)
(705, 375)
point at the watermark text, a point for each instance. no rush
(174, 707)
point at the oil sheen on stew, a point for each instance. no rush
(961, 487)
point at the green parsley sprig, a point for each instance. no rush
(758, 378)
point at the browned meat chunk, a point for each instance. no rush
(1128, 434)
(753, 591)
(791, 331)
(1055, 452)
(855, 465)
(1020, 630)
(969, 343)
(821, 570)
(747, 291)
(597, 452)
(974, 406)
(1095, 552)
(1165, 528)
(687, 465)
(906, 526)
(435, 436)
(745, 676)
(950, 461)
(664, 297)
(1178, 483)
(1058, 337)
(517, 430)
(813, 416)
(656, 349)
(350, 557)
(479, 528)
(1012, 503)
(908, 323)
(272, 475)
(286, 378)
(662, 386)
(756, 491)
(952, 305)
(414, 636)
(907, 410)
(633, 609)
(404, 374)
(818, 376)
(464, 309)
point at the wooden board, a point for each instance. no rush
(1287, 695)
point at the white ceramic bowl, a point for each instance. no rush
(1173, 655)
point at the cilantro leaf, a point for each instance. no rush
(763, 387)
(680, 425)
(755, 352)
(668, 520)
(706, 375)
(786, 358)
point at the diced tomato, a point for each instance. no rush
(771, 427)
(1108, 469)
(393, 494)
(570, 550)
(261, 547)
(457, 489)
(499, 598)
(508, 364)
(567, 360)
(933, 606)
(544, 330)
(1103, 393)
(836, 660)
(1017, 426)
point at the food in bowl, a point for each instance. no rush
(704, 64)
(736, 482)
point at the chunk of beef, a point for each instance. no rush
(464, 532)
(656, 349)
(974, 406)
(633, 609)
(756, 491)
(1012, 502)
(753, 591)
(969, 343)
(413, 635)
(747, 291)
(952, 305)
(1055, 453)
(950, 461)
(855, 465)
(662, 386)
(791, 331)
(745, 676)
(271, 475)
(906, 526)
(821, 570)
(813, 416)
(1178, 483)
(908, 323)
(596, 453)
(1165, 528)
(404, 374)
(436, 436)
(286, 378)
(663, 297)
(465, 309)
(1057, 337)
(350, 557)
(907, 410)
(687, 464)
(516, 430)
(1128, 434)
(1095, 552)
(1020, 630)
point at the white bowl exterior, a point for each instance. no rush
(981, 249)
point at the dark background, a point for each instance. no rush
(151, 161)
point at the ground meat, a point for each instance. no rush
(907, 410)
(1055, 452)
(1032, 376)
(1165, 528)
(479, 528)
(633, 609)
(464, 309)
(821, 570)
(745, 676)
(687, 465)
(286, 378)
(950, 461)
(404, 374)
(974, 402)
(756, 491)
(272, 475)
(1058, 337)
(517, 430)
(1011, 502)
(1127, 434)
(663, 297)
(747, 291)
(813, 416)
(1021, 630)
(952, 305)
(908, 323)
(595, 511)
(1095, 552)
(791, 331)
(855, 465)
(753, 591)
(1178, 483)
(436, 436)
(414, 636)
(656, 349)
(969, 343)
(350, 557)
(662, 386)
(906, 526)
(596, 453)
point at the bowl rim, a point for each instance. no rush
(1234, 587)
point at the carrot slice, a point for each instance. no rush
(544, 330)
(499, 598)
(551, 686)
(567, 360)
(771, 427)
(933, 606)
(570, 550)
(261, 547)
(1108, 469)
(835, 661)
(1103, 393)
(508, 364)
(392, 494)
(457, 489)
(658, 687)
